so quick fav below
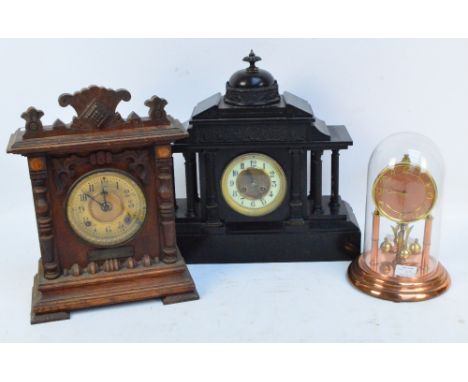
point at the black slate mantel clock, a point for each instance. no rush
(248, 198)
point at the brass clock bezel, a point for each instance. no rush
(391, 168)
(254, 212)
(90, 173)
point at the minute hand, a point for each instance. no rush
(91, 197)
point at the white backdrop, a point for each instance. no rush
(374, 87)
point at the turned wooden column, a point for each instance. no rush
(316, 180)
(295, 201)
(212, 209)
(38, 175)
(191, 182)
(165, 197)
(335, 175)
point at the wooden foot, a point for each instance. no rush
(45, 317)
(54, 299)
(48, 317)
(181, 297)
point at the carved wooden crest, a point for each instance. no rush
(96, 111)
(95, 107)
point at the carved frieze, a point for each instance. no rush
(247, 134)
(109, 265)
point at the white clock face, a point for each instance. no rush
(253, 184)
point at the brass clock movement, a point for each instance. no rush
(104, 200)
(404, 193)
(253, 174)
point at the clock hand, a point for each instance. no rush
(105, 205)
(91, 197)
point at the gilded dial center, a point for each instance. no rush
(106, 208)
(253, 184)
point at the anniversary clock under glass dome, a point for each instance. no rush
(401, 246)
(248, 195)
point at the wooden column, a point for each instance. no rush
(295, 201)
(165, 196)
(335, 175)
(173, 185)
(191, 182)
(212, 209)
(316, 181)
(38, 174)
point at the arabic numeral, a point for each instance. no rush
(234, 194)
(231, 183)
(235, 173)
(274, 183)
(253, 163)
(242, 166)
(263, 201)
(272, 174)
(252, 203)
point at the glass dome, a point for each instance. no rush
(403, 215)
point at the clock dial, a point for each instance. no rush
(253, 184)
(106, 208)
(404, 193)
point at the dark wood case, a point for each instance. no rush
(74, 274)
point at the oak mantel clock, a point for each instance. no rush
(246, 169)
(104, 201)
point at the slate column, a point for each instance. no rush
(212, 209)
(191, 182)
(335, 175)
(316, 180)
(295, 201)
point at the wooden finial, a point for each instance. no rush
(32, 116)
(156, 111)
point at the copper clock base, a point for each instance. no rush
(398, 289)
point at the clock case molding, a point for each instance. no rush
(72, 273)
(253, 117)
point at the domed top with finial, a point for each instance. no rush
(251, 86)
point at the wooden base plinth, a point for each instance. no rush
(398, 289)
(54, 299)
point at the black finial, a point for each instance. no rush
(252, 58)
